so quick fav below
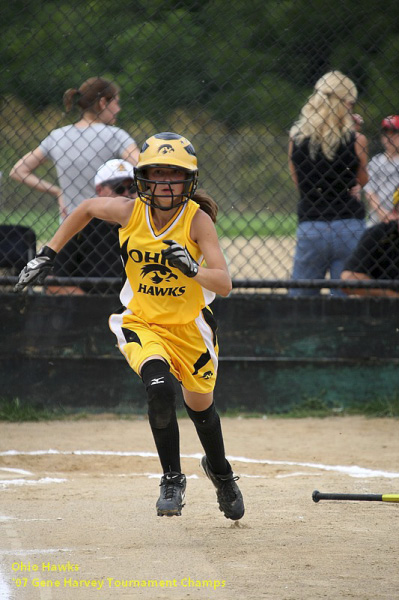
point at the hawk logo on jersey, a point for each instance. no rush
(166, 149)
(155, 269)
(157, 273)
(207, 375)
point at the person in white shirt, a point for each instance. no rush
(384, 173)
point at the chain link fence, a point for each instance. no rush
(229, 76)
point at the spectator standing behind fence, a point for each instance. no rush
(328, 164)
(166, 327)
(384, 173)
(376, 255)
(77, 151)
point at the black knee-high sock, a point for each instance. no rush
(167, 441)
(209, 430)
(162, 413)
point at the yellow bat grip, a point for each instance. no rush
(390, 497)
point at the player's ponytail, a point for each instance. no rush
(207, 204)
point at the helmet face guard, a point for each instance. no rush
(149, 196)
(171, 151)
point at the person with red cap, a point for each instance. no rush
(384, 173)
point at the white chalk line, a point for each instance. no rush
(7, 518)
(5, 591)
(18, 471)
(296, 474)
(352, 471)
(7, 483)
(35, 551)
(45, 480)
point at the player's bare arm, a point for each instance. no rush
(117, 210)
(215, 276)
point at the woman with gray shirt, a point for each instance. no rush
(78, 151)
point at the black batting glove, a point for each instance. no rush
(37, 269)
(179, 257)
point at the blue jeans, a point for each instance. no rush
(324, 246)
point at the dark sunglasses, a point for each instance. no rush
(120, 188)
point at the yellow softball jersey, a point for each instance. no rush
(153, 290)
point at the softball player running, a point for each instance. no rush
(166, 328)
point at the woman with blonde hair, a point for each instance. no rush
(328, 165)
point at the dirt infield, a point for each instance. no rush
(77, 508)
(259, 258)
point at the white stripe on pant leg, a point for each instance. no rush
(115, 323)
(207, 335)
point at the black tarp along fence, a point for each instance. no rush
(238, 284)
